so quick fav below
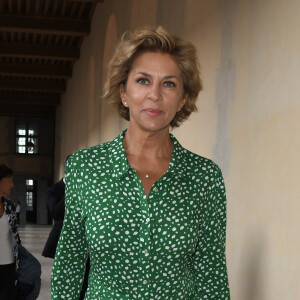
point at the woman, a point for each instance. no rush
(9, 237)
(151, 214)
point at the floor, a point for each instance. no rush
(33, 238)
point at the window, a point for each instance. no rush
(30, 189)
(29, 201)
(29, 182)
(27, 139)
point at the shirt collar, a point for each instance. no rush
(177, 164)
(118, 156)
(120, 163)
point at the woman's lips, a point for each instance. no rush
(152, 112)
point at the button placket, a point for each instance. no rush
(144, 242)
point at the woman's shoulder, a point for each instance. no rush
(201, 165)
(84, 158)
(192, 163)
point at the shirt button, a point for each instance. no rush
(145, 281)
(155, 189)
(147, 220)
(146, 251)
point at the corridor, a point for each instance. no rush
(33, 238)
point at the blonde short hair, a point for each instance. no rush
(154, 40)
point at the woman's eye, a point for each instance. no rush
(143, 81)
(169, 84)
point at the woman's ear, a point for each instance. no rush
(181, 103)
(122, 95)
(122, 90)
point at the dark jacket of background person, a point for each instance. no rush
(55, 197)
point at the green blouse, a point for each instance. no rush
(170, 245)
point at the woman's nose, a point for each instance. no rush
(155, 92)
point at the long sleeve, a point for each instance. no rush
(209, 258)
(71, 254)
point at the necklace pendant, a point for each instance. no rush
(147, 175)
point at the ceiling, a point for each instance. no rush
(40, 42)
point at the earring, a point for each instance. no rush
(125, 103)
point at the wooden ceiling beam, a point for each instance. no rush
(32, 85)
(45, 71)
(44, 25)
(38, 51)
(47, 100)
(85, 1)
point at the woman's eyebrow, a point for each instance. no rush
(165, 77)
(170, 77)
(144, 74)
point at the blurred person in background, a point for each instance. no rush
(55, 196)
(9, 237)
(18, 211)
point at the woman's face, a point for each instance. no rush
(6, 184)
(153, 91)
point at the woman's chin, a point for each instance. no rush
(155, 126)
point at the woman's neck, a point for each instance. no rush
(149, 154)
(148, 144)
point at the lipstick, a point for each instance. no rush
(152, 112)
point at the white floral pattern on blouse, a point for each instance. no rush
(170, 245)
